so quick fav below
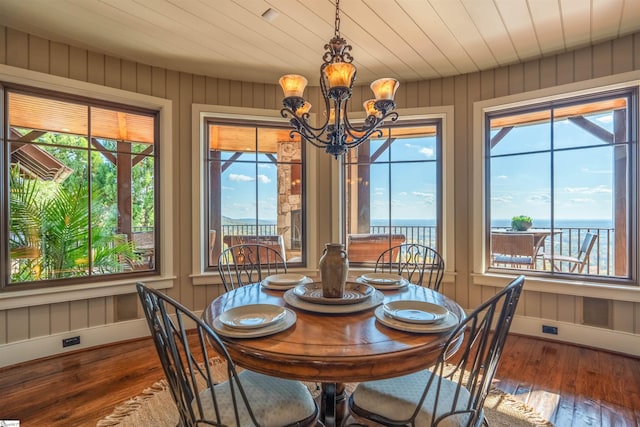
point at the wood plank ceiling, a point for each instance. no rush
(407, 39)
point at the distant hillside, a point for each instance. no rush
(244, 221)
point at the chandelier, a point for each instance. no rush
(337, 74)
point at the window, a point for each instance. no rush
(255, 188)
(569, 166)
(393, 190)
(79, 190)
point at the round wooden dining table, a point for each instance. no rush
(333, 348)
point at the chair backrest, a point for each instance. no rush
(191, 359)
(420, 264)
(367, 247)
(244, 264)
(513, 244)
(275, 241)
(473, 365)
(586, 246)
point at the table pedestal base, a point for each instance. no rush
(333, 404)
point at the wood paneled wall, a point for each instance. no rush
(19, 49)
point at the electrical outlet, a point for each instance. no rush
(546, 329)
(70, 341)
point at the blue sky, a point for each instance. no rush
(520, 184)
(583, 176)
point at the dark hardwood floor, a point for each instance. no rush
(569, 385)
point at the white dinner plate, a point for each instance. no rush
(388, 279)
(288, 321)
(354, 293)
(376, 299)
(282, 284)
(449, 322)
(384, 287)
(415, 311)
(252, 316)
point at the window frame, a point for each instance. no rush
(17, 298)
(201, 114)
(90, 104)
(598, 287)
(410, 116)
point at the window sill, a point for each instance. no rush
(579, 288)
(53, 295)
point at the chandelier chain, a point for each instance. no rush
(337, 24)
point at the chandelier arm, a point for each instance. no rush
(369, 130)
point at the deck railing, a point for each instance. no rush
(566, 243)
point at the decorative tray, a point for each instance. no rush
(369, 303)
(354, 293)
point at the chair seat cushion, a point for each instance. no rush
(274, 401)
(397, 399)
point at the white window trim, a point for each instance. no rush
(445, 114)
(479, 274)
(25, 298)
(200, 113)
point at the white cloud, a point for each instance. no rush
(429, 152)
(502, 199)
(539, 198)
(427, 198)
(228, 188)
(588, 190)
(502, 177)
(245, 178)
(402, 193)
(240, 178)
(605, 119)
(596, 171)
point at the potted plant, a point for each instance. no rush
(521, 223)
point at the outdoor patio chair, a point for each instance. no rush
(575, 263)
(513, 249)
(244, 264)
(420, 264)
(203, 380)
(453, 392)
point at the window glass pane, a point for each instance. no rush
(560, 169)
(392, 189)
(71, 197)
(254, 192)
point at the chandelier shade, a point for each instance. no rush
(337, 75)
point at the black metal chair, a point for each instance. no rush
(192, 354)
(453, 392)
(420, 264)
(248, 263)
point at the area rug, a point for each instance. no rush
(155, 408)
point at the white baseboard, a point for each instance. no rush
(589, 336)
(51, 345)
(36, 348)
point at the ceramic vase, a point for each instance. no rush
(334, 267)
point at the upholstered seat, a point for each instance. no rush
(203, 380)
(398, 398)
(274, 401)
(453, 391)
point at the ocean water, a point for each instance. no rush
(506, 223)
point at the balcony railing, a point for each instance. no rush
(566, 243)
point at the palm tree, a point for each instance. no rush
(50, 234)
